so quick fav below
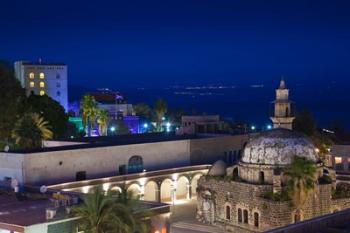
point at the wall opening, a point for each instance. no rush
(261, 177)
(245, 216)
(135, 164)
(239, 215)
(228, 212)
(81, 175)
(256, 219)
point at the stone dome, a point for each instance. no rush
(218, 169)
(278, 147)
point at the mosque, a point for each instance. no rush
(253, 196)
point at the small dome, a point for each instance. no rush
(218, 169)
(278, 147)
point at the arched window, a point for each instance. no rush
(41, 75)
(228, 212)
(135, 164)
(261, 177)
(239, 215)
(256, 219)
(297, 217)
(245, 216)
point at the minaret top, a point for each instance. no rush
(282, 84)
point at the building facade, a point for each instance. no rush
(44, 79)
(94, 160)
(248, 197)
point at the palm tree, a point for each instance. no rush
(98, 213)
(102, 120)
(160, 109)
(31, 130)
(128, 207)
(89, 112)
(301, 178)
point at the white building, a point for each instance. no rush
(44, 78)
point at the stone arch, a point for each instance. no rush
(228, 211)
(256, 218)
(135, 164)
(116, 189)
(166, 190)
(298, 216)
(245, 216)
(182, 188)
(261, 177)
(135, 189)
(194, 183)
(239, 215)
(151, 189)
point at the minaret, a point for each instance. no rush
(283, 115)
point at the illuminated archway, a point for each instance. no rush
(135, 189)
(194, 184)
(182, 188)
(166, 190)
(151, 191)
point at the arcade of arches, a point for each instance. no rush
(169, 189)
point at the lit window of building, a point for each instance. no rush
(42, 93)
(42, 75)
(338, 163)
(31, 75)
(42, 84)
(31, 84)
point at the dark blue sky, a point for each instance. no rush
(159, 43)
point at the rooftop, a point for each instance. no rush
(93, 142)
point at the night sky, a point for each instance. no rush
(161, 43)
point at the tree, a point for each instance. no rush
(12, 101)
(98, 213)
(131, 213)
(109, 213)
(300, 176)
(102, 120)
(305, 123)
(160, 109)
(51, 111)
(30, 130)
(89, 112)
(143, 110)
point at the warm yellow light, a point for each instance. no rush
(42, 75)
(31, 84)
(31, 75)
(338, 160)
(42, 84)
(42, 93)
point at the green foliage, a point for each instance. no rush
(106, 213)
(325, 180)
(283, 196)
(30, 130)
(160, 109)
(89, 111)
(102, 120)
(342, 191)
(143, 110)
(51, 111)
(300, 176)
(305, 123)
(12, 101)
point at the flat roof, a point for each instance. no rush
(15, 214)
(104, 141)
